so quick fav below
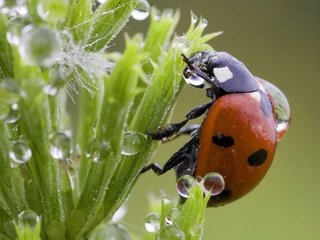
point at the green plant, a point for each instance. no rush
(73, 116)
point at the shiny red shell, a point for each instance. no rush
(237, 140)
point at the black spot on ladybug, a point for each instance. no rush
(226, 193)
(257, 158)
(222, 140)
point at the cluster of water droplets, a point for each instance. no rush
(212, 183)
(152, 224)
(14, 9)
(43, 45)
(10, 95)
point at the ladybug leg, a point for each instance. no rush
(187, 130)
(181, 157)
(168, 132)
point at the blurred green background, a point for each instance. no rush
(278, 41)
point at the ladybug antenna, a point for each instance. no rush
(196, 70)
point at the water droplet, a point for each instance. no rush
(39, 45)
(20, 153)
(50, 90)
(13, 115)
(182, 43)
(193, 80)
(194, 18)
(28, 218)
(171, 232)
(152, 222)
(203, 23)
(132, 143)
(102, 1)
(9, 97)
(52, 10)
(213, 183)
(60, 146)
(112, 232)
(197, 231)
(22, 11)
(13, 38)
(141, 11)
(184, 184)
(1, 3)
(281, 107)
(92, 147)
(172, 215)
(168, 221)
(56, 81)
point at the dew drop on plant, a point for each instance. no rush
(60, 146)
(13, 115)
(194, 18)
(152, 222)
(281, 107)
(22, 11)
(171, 232)
(182, 43)
(213, 183)
(172, 215)
(132, 143)
(110, 232)
(141, 11)
(7, 99)
(184, 184)
(28, 218)
(52, 10)
(50, 90)
(19, 153)
(56, 81)
(92, 147)
(12, 38)
(203, 23)
(39, 45)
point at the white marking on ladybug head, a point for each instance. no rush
(256, 96)
(222, 74)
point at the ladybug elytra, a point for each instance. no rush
(242, 124)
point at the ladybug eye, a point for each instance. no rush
(193, 80)
(213, 62)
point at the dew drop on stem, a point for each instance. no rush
(141, 11)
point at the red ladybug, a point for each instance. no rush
(237, 139)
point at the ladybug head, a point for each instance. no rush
(219, 73)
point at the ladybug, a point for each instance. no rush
(242, 125)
